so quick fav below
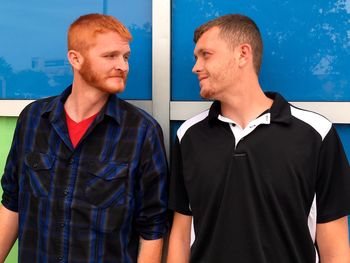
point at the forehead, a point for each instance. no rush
(110, 41)
(210, 39)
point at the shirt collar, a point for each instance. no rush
(264, 118)
(280, 109)
(113, 108)
(214, 111)
(55, 107)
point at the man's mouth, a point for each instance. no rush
(117, 76)
(202, 78)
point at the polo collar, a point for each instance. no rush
(280, 109)
(214, 111)
(264, 118)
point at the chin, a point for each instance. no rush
(117, 90)
(207, 94)
(112, 89)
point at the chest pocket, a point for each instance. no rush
(39, 171)
(106, 184)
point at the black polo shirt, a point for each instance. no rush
(259, 199)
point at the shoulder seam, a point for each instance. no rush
(149, 119)
(189, 123)
(318, 122)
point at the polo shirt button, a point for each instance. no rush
(35, 165)
(59, 258)
(66, 192)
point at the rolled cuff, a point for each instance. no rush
(9, 203)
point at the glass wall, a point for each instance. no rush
(33, 62)
(306, 46)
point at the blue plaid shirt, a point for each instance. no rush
(91, 203)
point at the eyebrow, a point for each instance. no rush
(116, 52)
(200, 51)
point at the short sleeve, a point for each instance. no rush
(333, 180)
(178, 197)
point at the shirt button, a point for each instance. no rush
(35, 165)
(71, 161)
(62, 225)
(66, 192)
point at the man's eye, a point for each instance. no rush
(110, 56)
(126, 58)
(205, 54)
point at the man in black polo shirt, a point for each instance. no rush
(263, 181)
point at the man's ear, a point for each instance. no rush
(75, 59)
(245, 54)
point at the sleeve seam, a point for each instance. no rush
(333, 216)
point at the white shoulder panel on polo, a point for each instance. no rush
(190, 122)
(315, 120)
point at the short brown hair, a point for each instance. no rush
(236, 29)
(82, 32)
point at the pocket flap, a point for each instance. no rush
(39, 161)
(109, 171)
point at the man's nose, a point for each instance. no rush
(121, 64)
(197, 67)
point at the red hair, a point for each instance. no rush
(83, 31)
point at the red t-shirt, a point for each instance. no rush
(77, 130)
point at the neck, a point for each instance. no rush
(84, 102)
(245, 105)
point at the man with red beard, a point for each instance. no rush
(86, 176)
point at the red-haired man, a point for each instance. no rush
(85, 180)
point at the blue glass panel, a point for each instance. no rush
(344, 134)
(307, 45)
(33, 48)
(174, 126)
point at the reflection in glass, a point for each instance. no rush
(33, 61)
(306, 46)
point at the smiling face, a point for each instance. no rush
(216, 65)
(105, 64)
